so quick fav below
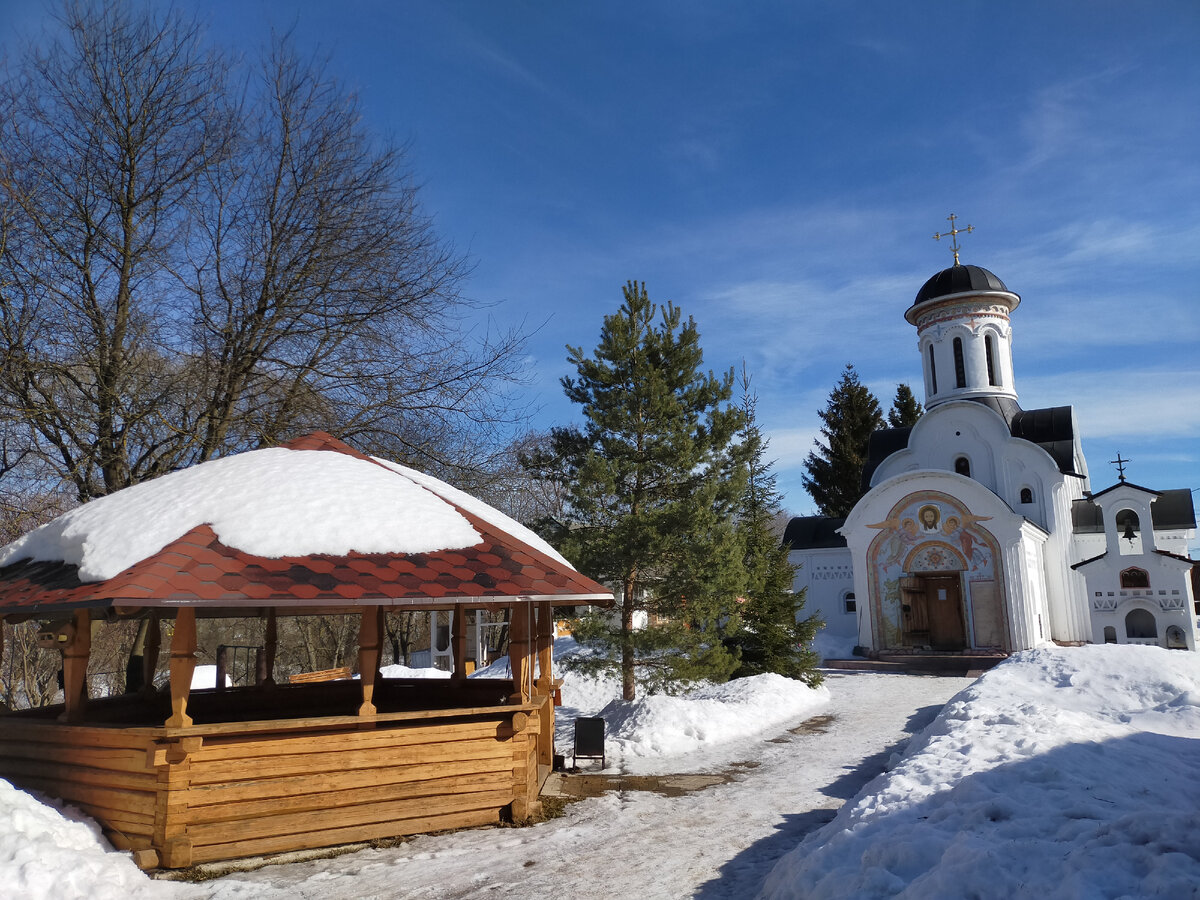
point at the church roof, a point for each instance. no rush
(958, 280)
(1172, 510)
(814, 533)
(1052, 429)
(454, 549)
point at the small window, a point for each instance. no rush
(962, 466)
(988, 344)
(932, 370)
(850, 604)
(1140, 624)
(960, 367)
(1110, 634)
(1026, 495)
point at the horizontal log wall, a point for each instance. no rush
(217, 792)
(108, 773)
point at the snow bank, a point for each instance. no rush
(274, 502)
(661, 725)
(1061, 773)
(205, 678)
(398, 671)
(46, 856)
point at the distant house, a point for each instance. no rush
(979, 530)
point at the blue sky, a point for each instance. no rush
(778, 170)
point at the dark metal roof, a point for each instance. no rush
(883, 443)
(814, 533)
(958, 280)
(1173, 510)
(1052, 429)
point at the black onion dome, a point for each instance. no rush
(958, 280)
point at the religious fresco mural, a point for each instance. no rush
(929, 533)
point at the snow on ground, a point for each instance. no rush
(713, 843)
(47, 855)
(1062, 773)
(398, 671)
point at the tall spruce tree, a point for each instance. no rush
(834, 468)
(653, 478)
(772, 637)
(905, 409)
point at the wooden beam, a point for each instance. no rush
(183, 664)
(545, 648)
(150, 651)
(369, 633)
(75, 663)
(458, 644)
(270, 645)
(520, 659)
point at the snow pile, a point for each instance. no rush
(274, 502)
(45, 856)
(656, 726)
(1061, 773)
(833, 646)
(662, 725)
(398, 671)
(205, 678)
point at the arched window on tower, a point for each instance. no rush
(1026, 495)
(989, 344)
(962, 466)
(960, 368)
(932, 371)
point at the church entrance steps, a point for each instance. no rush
(970, 665)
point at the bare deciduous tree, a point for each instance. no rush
(193, 264)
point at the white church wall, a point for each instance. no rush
(827, 577)
(1166, 596)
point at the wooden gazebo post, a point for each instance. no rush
(458, 644)
(270, 647)
(183, 664)
(150, 651)
(75, 663)
(369, 633)
(519, 661)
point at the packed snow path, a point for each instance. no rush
(719, 842)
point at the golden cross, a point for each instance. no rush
(953, 234)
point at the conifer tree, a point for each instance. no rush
(652, 480)
(834, 468)
(905, 409)
(773, 637)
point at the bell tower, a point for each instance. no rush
(964, 333)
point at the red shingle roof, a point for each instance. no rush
(197, 569)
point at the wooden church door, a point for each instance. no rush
(943, 597)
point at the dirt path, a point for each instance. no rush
(715, 842)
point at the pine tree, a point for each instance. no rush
(905, 409)
(772, 638)
(652, 478)
(834, 469)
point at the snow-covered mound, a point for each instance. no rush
(398, 671)
(45, 856)
(274, 502)
(1061, 773)
(662, 725)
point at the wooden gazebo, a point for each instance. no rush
(181, 777)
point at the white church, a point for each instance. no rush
(980, 531)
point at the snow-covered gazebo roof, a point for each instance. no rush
(313, 523)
